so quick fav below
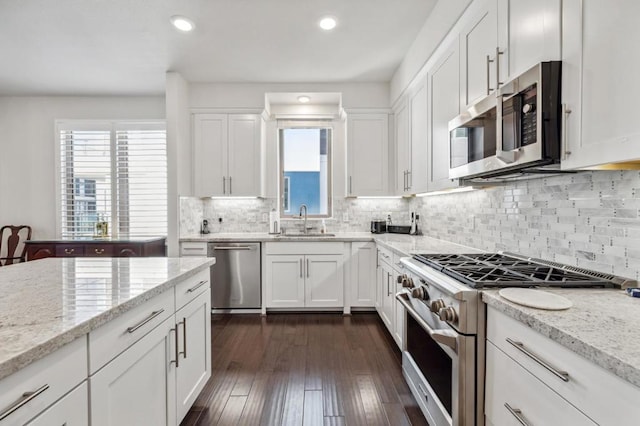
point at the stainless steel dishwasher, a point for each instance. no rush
(235, 278)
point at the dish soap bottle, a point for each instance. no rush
(323, 230)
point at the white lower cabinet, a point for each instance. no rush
(72, 410)
(547, 383)
(138, 387)
(304, 275)
(363, 274)
(194, 369)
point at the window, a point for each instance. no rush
(116, 173)
(305, 171)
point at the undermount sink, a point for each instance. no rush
(309, 234)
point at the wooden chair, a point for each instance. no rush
(12, 244)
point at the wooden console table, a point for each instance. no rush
(139, 247)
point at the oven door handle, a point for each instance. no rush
(448, 338)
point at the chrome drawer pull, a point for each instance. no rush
(423, 391)
(24, 399)
(232, 248)
(197, 286)
(184, 336)
(517, 414)
(562, 375)
(193, 248)
(144, 321)
(177, 351)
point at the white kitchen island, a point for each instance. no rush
(103, 340)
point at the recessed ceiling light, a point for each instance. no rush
(328, 23)
(182, 23)
(303, 99)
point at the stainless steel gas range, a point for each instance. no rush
(443, 362)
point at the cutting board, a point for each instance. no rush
(536, 298)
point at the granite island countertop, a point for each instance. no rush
(601, 326)
(48, 303)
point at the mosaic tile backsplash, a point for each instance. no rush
(587, 219)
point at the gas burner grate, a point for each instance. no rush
(499, 270)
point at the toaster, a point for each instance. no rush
(378, 226)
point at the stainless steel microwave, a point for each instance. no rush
(515, 131)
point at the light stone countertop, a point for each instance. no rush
(601, 326)
(401, 243)
(45, 304)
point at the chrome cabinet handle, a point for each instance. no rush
(99, 251)
(193, 249)
(565, 140)
(498, 53)
(562, 375)
(517, 414)
(230, 190)
(307, 268)
(197, 286)
(69, 251)
(224, 185)
(423, 391)
(409, 179)
(144, 321)
(489, 61)
(20, 402)
(184, 336)
(301, 268)
(177, 351)
(350, 189)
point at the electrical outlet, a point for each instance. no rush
(345, 216)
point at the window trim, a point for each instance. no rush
(107, 125)
(289, 124)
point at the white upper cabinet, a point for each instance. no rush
(444, 88)
(528, 32)
(403, 149)
(599, 82)
(419, 102)
(479, 41)
(368, 151)
(227, 157)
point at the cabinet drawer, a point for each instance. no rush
(98, 250)
(193, 249)
(72, 410)
(305, 248)
(50, 378)
(190, 288)
(127, 250)
(106, 342)
(598, 393)
(510, 385)
(385, 255)
(69, 250)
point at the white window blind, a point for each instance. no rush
(116, 173)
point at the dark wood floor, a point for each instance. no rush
(304, 369)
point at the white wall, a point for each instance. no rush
(27, 146)
(444, 15)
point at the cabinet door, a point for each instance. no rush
(138, 387)
(194, 323)
(72, 410)
(419, 137)
(387, 301)
(285, 281)
(528, 33)
(368, 150)
(599, 75)
(399, 319)
(403, 149)
(324, 285)
(210, 155)
(444, 90)
(363, 274)
(478, 41)
(245, 169)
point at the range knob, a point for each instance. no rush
(401, 277)
(527, 108)
(408, 282)
(420, 293)
(448, 314)
(436, 305)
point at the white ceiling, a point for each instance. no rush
(116, 47)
